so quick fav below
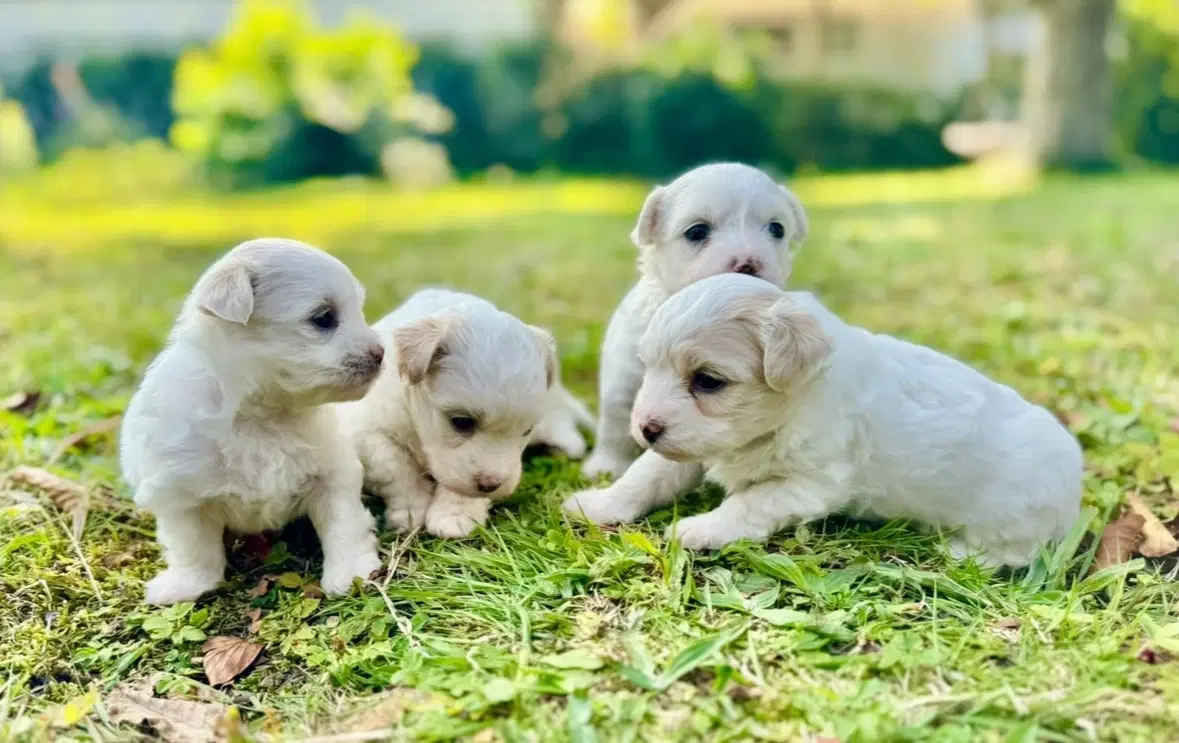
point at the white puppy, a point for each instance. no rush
(442, 437)
(714, 219)
(230, 429)
(798, 414)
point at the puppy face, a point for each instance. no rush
(722, 359)
(476, 387)
(723, 218)
(293, 315)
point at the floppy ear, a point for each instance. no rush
(793, 345)
(227, 292)
(799, 224)
(649, 217)
(548, 346)
(420, 347)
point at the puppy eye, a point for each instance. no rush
(463, 423)
(325, 320)
(707, 383)
(698, 232)
(777, 231)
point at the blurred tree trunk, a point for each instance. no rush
(1068, 106)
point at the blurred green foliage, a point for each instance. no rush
(1148, 81)
(278, 99)
(18, 148)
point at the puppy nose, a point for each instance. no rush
(377, 352)
(652, 431)
(487, 483)
(747, 266)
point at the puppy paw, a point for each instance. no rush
(602, 462)
(338, 574)
(404, 518)
(561, 435)
(457, 519)
(601, 506)
(176, 586)
(709, 531)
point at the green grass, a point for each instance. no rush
(541, 629)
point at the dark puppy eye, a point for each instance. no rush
(463, 423)
(698, 232)
(777, 231)
(707, 383)
(325, 320)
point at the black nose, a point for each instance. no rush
(652, 431)
(488, 484)
(749, 268)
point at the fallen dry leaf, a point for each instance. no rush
(1118, 541)
(313, 591)
(69, 442)
(21, 403)
(70, 497)
(226, 658)
(1156, 540)
(263, 586)
(255, 617)
(487, 735)
(1008, 623)
(173, 720)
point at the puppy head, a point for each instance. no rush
(722, 218)
(293, 316)
(723, 357)
(476, 385)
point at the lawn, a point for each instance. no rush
(542, 629)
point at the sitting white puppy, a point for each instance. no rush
(230, 427)
(798, 414)
(715, 219)
(443, 437)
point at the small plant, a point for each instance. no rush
(177, 624)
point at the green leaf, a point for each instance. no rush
(290, 580)
(639, 678)
(157, 626)
(499, 690)
(785, 617)
(191, 634)
(573, 659)
(695, 654)
(578, 715)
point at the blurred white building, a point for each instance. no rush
(67, 28)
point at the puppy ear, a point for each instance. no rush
(648, 223)
(227, 292)
(420, 347)
(548, 347)
(800, 225)
(793, 345)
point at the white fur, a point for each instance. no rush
(738, 203)
(819, 416)
(452, 354)
(230, 429)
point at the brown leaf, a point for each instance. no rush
(174, 720)
(313, 591)
(69, 442)
(1174, 426)
(255, 617)
(263, 586)
(1008, 623)
(1156, 540)
(21, 403)
(1118, 541)
(739, 693)
(226, 658)
(70, 497)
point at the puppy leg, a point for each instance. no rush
(453, 516)
(391, 472)
(194, 551)
(619, 381)
(650, 483)
(759, 512)
(346, 529)
(559, 428)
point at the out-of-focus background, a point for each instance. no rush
(256, 93)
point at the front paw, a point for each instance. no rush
(404, 518)
(338, 574)
(457, 519)
(603, 462)
(176, 586)
(601, 506)
(709, 531)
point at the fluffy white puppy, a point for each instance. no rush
(442, 437)
(230, 427)
(798, 414)
(720, 218)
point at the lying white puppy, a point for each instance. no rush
(798, 415)
(714, 219)
(230, 427)
(442, 437)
